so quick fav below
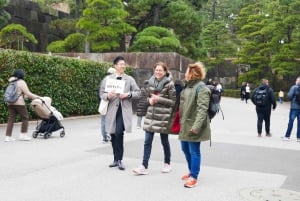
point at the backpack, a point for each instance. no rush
(214, 100)
(261, 97)
(11, 93)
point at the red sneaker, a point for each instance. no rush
(185, 177)
(191, 183)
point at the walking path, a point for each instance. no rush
(238, 166)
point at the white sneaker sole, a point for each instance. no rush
(24, 139)
(140, 173)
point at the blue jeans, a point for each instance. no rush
(293, 114)
(164, 138)
(192, 155)
(139, 121)
(103, 132)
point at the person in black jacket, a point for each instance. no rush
(142, 104)
(263, 107)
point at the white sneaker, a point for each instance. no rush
(298, 139)
(9, 139)
(138, 127)
(286, 138)
(24, 137)
(166, 169)
(141, 170)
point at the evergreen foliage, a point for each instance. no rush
(13, 36)
(71, 83)
(155, 39)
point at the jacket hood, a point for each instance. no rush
(11, 79)
(263, 86)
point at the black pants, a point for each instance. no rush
(263, 114)
(117, 139)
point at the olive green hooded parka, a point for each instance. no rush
(193, 112)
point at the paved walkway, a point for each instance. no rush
(237, 167)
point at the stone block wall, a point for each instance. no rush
(143, 63)
(36, 20)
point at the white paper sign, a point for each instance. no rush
(115, 85)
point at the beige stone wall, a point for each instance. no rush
(142, 62)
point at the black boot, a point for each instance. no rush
(113, 164)
(121, 166)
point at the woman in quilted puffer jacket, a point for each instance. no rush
(161, 98)
(142, 105)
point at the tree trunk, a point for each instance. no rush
(87, 47)
(156, 10)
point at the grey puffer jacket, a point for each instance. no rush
(157, 116)
(142, 105)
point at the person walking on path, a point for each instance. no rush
(119, 113)
(243, 91)
(281, 96)
(294, 111)
(247, 92)
(142, 105)
(105, 135)
(264, 99)
(194, 121)
(19, 107)
(161, 97)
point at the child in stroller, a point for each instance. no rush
(50, 118)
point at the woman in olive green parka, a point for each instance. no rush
(194, 120)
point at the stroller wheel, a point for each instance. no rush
(35, 134)
(47, 135)
(62, 134)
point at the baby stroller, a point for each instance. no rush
(50, 118)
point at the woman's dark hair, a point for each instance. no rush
(118, 58)
(19, 73)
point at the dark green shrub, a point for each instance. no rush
(56, 46)
(71, 83)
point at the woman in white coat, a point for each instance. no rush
(119, 112)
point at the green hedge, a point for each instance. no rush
(236, 93)
(71, 83)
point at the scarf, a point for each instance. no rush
(158, 84)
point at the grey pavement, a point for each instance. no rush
(238, 166)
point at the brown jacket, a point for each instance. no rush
(23, 91)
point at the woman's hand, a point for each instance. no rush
(151, 101)
(123, 95)
(193, 131)
(154, 97)
(112, 94)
